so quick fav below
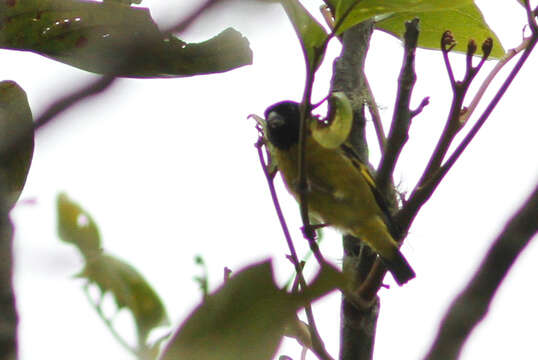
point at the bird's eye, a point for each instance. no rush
(274, 120)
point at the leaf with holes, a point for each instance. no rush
(129, 289)
(76, 226)
(110, 37)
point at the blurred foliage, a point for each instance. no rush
(77, 227)
(202, 280)
(245, 318)
(129, 289)
(16, 139)
(110, 37)
(111, 275)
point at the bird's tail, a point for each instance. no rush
(399, 268)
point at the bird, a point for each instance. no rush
(341, 191)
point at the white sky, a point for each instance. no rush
(168, 170)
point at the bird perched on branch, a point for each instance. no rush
(341, 191)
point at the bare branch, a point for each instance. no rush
(358, 322)
(66, 102)
(471, 306)
(185, 23)
(401, 119)
(422, 193)
(376, 117)
(9, 318)
(500, 64)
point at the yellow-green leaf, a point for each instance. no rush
(465, 23)
(334, 132)
(245, 318)
(76, 226)
(16, 122)
(462, 17)
(101, 36)
(311, 34)
(129, 289)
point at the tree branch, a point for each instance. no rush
(401, 119)
(471, 306)
(317, 344)
(424, 191)
(358, 323)
(8, 317)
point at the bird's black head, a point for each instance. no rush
(283, 121)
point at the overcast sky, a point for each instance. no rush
(168, 170)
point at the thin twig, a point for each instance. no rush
(105, 81)
(453, 124)
(447, 44)
(471, 305)
(108, 323)
(422, 193)
(500, 64)
(69, 100)
(185, 23)
(317, 344)
(376, 116)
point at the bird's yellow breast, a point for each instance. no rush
(338, 189)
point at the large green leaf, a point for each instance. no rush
(311, 34)
(462, 17)
(112, 37)
(16, 122)
(465, 23)
(76, 226)
(245, 318)
(129, 289)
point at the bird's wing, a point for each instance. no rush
(379, 197)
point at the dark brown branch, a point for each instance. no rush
(358, 323)
(396, 140)
(471, 306)
(401, 119)
(8, 317)
(69, 100)
(453, 124)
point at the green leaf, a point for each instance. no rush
(16, 122)
(111, 37)
(129, 289)
(245, 318)
(77, 227)
(465, 23)
(335, 131)
(462, 17)
(311, 34)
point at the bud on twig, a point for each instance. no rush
(447, 41)
(487, 45)
(471, 47)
